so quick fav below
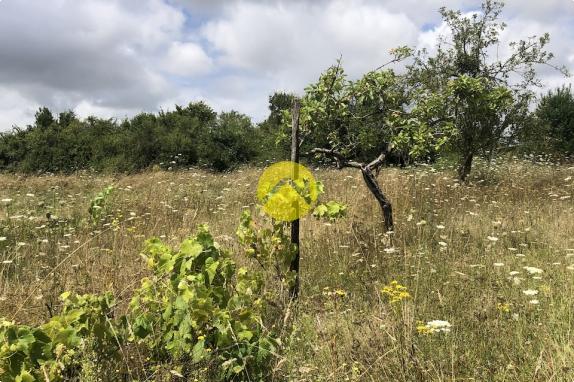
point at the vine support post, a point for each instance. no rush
(294, 266)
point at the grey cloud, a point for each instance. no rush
(115, 58)
(59, 53)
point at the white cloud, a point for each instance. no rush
(15, 109)
(61, 53)
(117, 58)
(307, 37)
(187, 59)
(286, 46)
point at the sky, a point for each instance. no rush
(117, 58)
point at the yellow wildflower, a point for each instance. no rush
(395, 292)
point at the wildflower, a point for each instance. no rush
(340, 293)
(422, 222)
(513, 273)
(534, 302)
(492, 238)
(530, 292)
(498, 264)
(533, 270)
(434, 326)
(503, 307)
(440, 226)
(3, 238)
(6, 200)
(395, 292)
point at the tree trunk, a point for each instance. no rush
(375, 189)
(294, 266)
(465, 166)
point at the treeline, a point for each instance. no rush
(194, 135)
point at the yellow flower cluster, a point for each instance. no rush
(395, 292)
(423, 328)
(503, 307)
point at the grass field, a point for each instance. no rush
(494, 258)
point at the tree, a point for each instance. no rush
(270, 141)
(229, 141)
(278, 103)
(555, 113)
(487, 96)
(358, 123)
(44, 118)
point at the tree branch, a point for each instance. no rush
(338, 157)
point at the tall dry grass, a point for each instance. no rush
(457, 248)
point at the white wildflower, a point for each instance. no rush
(439, 326)
(533, 270)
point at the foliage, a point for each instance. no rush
(463, 60)
(229, 141)
(53, 351)
(269, 244)
(555, 122)
(197, 307)
(188, 136)
(98, 203)
(272, 143)
(364, 118)
(330, 211)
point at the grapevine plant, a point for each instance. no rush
(199, 307)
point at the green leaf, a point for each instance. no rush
(211, 269)
(25, 376)
(198, 352)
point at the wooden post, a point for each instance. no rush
(294, 266)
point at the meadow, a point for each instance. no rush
(475, 284)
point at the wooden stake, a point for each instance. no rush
(294, 266)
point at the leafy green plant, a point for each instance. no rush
(198, 308)
(98, 203)
(330, 211)
(53, 351)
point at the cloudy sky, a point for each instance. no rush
(115, 58)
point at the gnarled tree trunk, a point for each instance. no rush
(368, 177)
(373, 185)
(465, 166)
